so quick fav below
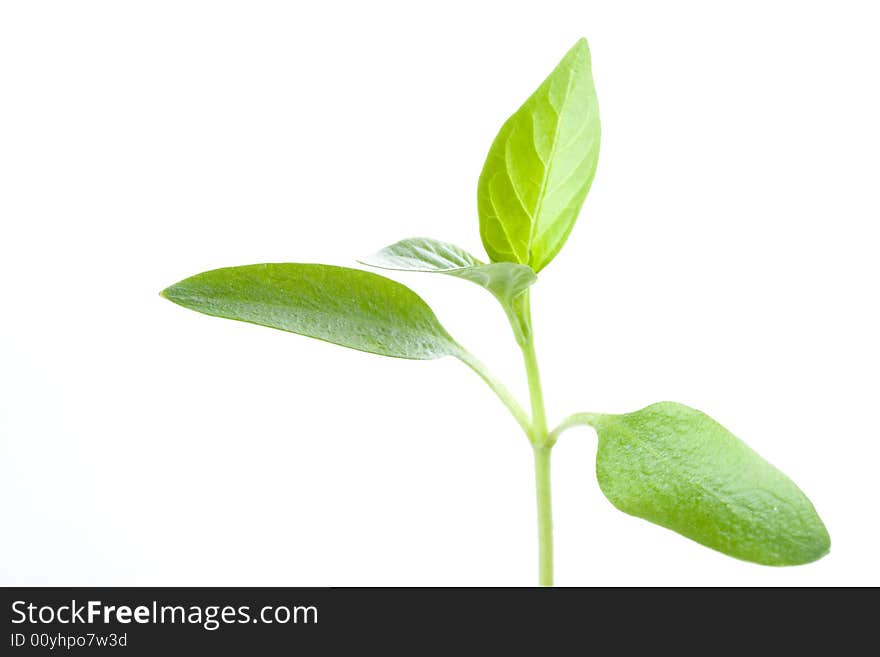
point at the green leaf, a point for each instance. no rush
(677, 467)
(506, 280)
(541, 165)
(348, 307)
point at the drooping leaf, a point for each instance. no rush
(677, 467)
(541, 165)
(348, 307)
(506, 280)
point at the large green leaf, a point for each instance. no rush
(348, 307)
(541, 165)
(506, 280)
(677, 467)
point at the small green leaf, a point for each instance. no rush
(677, 467)
(541, 165)
(422, 254)
(348, 307)
(506, 280)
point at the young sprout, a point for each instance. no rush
(667, 463)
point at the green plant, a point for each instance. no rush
(667, 463)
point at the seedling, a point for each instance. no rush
(667, 463)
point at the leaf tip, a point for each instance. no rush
(580, 49)
(171, 293)
(822, 543)
(817, 549)
(375, 259)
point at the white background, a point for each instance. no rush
(725, 258)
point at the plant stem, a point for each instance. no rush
(540, 445)
(520, 315)
(545, 515)
(536, 393)
(498, 388)
(577, 419)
